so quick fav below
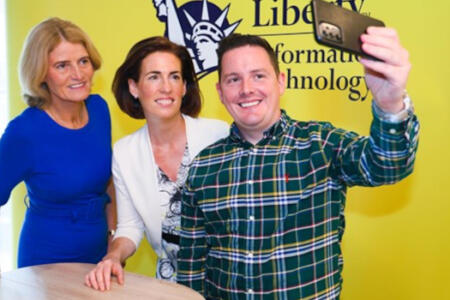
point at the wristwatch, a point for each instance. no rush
(398, 117)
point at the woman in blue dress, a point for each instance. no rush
(60, 146)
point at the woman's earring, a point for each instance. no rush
(136, 102)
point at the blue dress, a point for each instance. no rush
(66, 172)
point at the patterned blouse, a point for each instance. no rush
(171, 211)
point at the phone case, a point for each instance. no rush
(340, 28)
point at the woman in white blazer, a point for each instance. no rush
(157, 82)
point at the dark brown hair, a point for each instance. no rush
(131, 69)
(237, 40)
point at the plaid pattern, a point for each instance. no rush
(265, 221)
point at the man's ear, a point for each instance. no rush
(219, 91)
(132, 87)
(282, 82)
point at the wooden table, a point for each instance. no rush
(66, 281)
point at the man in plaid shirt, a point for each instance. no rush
(263, 209)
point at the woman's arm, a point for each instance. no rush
(129, 232)
(15, 158)
(112, 264)
(111, 212)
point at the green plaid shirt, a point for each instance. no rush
(265, 221)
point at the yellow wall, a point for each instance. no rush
(397, 240)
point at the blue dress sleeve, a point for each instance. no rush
(15, 159)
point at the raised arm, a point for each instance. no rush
(386, 78)
(388, 154)
(384, 157)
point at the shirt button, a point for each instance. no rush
(249, 255)
(254, 150)
(392, 131)
(250, 182)
(250, 291)
(252, 218)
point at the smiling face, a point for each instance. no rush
(69, 73)
(250, 89)
(160, 87)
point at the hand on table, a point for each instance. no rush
(100, 277)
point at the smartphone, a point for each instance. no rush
(340, 28)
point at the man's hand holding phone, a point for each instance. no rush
(387, 77)
(385, 60)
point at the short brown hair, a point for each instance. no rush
(33, 64)
(131, 69)
(237, 40)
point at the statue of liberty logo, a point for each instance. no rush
(199, 26)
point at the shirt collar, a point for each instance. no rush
(276, 130)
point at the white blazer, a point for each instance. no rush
(135, 178)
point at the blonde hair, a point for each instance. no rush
(33, 64)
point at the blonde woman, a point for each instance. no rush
(60, 146)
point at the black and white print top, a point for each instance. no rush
(171, 212)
